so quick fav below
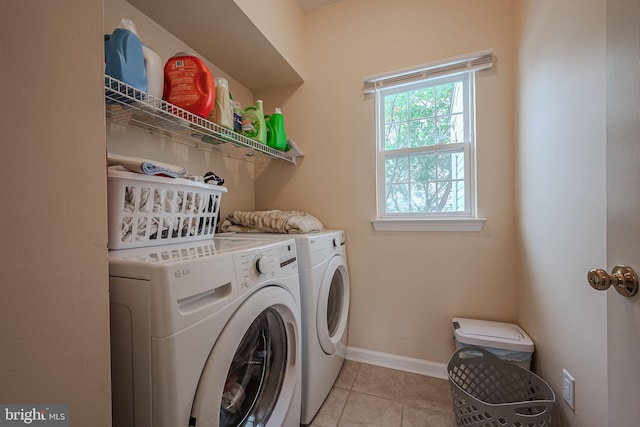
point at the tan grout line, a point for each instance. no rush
(349, 393)
(343, 407)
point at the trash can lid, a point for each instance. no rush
(506, 336)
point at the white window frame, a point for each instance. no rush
(431, 75)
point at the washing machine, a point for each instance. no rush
(325, 292)
(206, 334)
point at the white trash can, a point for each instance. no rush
(505, 340)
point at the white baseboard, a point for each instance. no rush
(401, 363)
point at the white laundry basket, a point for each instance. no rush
(147, 210)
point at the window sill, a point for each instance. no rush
(436, 224)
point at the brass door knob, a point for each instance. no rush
(622, 278)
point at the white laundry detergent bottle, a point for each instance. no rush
(155, 71)
(222, 112)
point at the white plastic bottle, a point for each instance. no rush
(155, 71)
(222, 113)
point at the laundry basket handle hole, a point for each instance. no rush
(470, 354)
(531, 410)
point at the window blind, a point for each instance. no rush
(477, 61)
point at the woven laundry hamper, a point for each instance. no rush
(490, 392)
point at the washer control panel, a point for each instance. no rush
(266, 263)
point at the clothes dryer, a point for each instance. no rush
(206, 334)
(325, 294)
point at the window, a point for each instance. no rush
(425, 146)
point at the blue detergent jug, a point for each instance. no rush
(124, 57)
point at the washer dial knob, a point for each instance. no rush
(261, 265)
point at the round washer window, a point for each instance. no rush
(256, 374)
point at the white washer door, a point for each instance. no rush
(250, 375)
(333, 305)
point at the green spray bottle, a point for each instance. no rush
(253, 123)
(276, 136)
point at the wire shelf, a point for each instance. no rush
(130, 106)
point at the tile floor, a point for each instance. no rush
(367, 395)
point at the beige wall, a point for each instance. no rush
(405, 286)
(562, 201)
(282, 23)
(54, 319)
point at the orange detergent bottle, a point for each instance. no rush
(188, 84)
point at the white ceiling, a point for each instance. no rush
(309, 5)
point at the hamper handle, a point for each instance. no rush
(533, 409)
(472, 352)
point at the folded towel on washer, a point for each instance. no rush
(275, 221)
(145, 166)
